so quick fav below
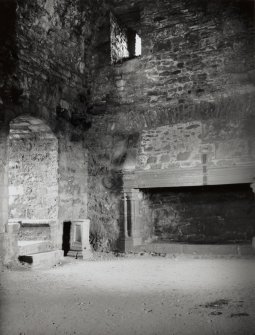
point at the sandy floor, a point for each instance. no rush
(142, 295)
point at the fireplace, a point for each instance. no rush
(183, 206)
(198, 214)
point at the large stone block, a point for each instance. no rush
(43, 260)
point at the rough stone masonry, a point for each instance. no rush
(191, 93)
(187, 102)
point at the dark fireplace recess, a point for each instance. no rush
(218, 214)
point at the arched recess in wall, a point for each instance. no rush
(33, 170)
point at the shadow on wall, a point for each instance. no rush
(106, 207)
(123, 157)
(9, 87)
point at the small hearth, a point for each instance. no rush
(199, 214)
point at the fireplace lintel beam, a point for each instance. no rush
(192, 176)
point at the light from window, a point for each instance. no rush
(138, 45)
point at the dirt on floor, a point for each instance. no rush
(131, 296)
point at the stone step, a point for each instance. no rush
(43, 260)
(33, 247)
(198, 249)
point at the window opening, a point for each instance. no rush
(125, 42)
(138, 45)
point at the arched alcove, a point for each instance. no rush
(33, 170)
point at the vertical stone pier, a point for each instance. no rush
(132, 219)
(86, 248)
(11, 242)
(253, 189)
(79, 239)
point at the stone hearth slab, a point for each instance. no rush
(43, 260)
(198, 249)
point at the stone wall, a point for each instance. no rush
(171, 146)
(54, 52)
(8, 54)
(197, 67)
(73, 173)
(3, 177)
(55, 43)
(212, 214)
(105, 187)
(119, 41)
(45, 71)
(33, 170)
(194, 80)
(3, 186)
(184, 144)
(8, 84)
(196, 57)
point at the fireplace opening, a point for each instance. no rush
(66, 237)
(221, 214)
